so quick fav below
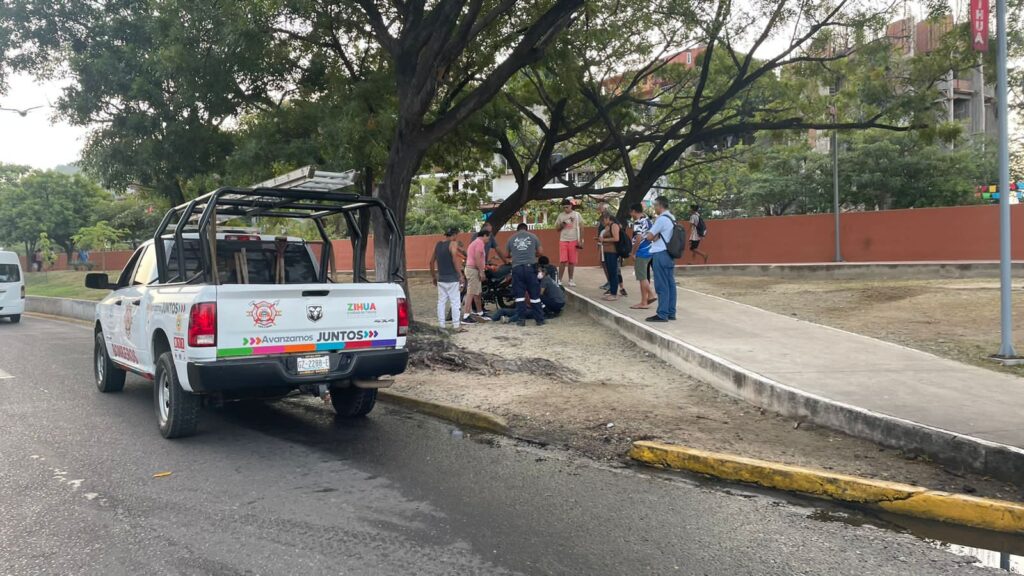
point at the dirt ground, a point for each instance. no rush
(954, 318)
(576, 384)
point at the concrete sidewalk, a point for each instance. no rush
(966, 417)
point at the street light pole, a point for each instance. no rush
(834, 145)
(1006, 351)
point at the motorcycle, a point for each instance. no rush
(496, 287)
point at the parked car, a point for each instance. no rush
(231, 314)
(12, 287)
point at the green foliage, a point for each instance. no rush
(99, 236)
(137, 215)
(48, 202)
(428, 214)
(45, 246)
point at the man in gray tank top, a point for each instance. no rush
(445, 270)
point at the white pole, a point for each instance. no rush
(1006, 350)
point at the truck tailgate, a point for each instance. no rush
(301, 318)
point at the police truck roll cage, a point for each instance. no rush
(310, 199)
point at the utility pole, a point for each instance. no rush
(1006, 355)
(834, 145)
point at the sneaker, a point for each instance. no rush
(469, 320)
(480, 318)
(572, 283)
(604, 286)
(622, 292)
(655, 318)
(540, 321)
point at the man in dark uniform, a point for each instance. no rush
(523, 248)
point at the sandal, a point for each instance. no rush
(639, 307)
(461, 330)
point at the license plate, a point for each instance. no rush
(314, 364)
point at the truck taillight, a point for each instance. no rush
(202, 325)
(403, 317)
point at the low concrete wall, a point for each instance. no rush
(953, 450)
(855, 270)
(78, 309)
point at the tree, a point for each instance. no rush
(45, 247)
(51, 203)
(136, 215)
(99, 236)
(158, 78)
(428, 214)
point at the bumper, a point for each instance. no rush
(11, 308)
(279, 372)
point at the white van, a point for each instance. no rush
(12, 287)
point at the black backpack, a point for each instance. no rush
(702, 228)
(677, 243)
(624, 247)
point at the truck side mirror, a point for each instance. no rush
(98, 281)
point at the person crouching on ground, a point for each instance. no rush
(642, 246)
(609, 238)
(551, 294)
(444, 271)
(523, 248)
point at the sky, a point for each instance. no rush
(40, 141)
(36, 140)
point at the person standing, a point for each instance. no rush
(476, 266)
(570, 240)
(664, 266)
(697, 232)
(523, 248)
(609, 239)
(444, 270)
(37, 260)
(642, 266)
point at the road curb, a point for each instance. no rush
(957, 451)
(985, 513)
(59, 318)
(456, 414)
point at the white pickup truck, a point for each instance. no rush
(252, 315)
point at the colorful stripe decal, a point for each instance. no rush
(294, 348)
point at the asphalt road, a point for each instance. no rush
(285, 489)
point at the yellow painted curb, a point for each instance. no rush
(989, 514)
(457, 414)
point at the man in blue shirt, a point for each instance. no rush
(664, 266)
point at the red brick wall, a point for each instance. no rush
(938, 234)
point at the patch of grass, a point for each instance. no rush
(63, 284)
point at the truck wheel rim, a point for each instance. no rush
(99, 364)
(165, 396)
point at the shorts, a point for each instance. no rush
(568, 253)
(473, 285)
(642, 268)
(694, 244)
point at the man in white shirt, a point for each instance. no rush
(664, 266)
(570, 241)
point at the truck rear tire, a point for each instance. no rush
(177, 411)
(15, 318)
(109, 378)
(353, 402)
